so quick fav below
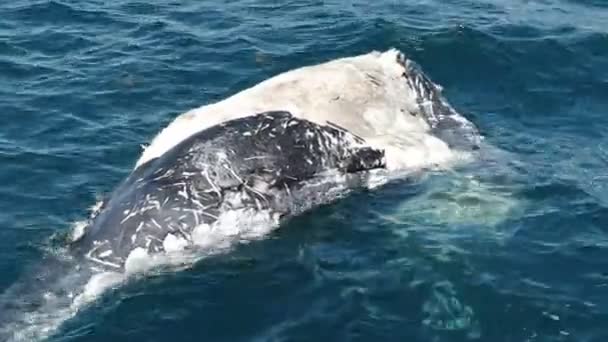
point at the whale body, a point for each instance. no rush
(300, 139)
(270, 163)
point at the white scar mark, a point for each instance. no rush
(131, 214)
(149, 239)
(233, 173)
(290, 177)
(144, 209)
(213, 186)
(257, 204)
(198, 204)
(105, 254)
(262, 196)
(148, 207)
(178, 184)
(90, 256)
(256, 157)
(103, 262)
(156, 223)
(156, 204)
(183, 193)
(181, 230)
(173, 227)
(196, 218)
(261, 127)
(168, 173)
(209, 215)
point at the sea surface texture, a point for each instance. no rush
(510, 248)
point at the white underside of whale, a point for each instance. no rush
(365, 94)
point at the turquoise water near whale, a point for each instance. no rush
(512, 248)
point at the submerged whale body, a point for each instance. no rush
(271, 162)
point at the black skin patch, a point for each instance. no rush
(264, 158)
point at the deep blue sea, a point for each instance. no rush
(510, 249)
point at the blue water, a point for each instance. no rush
(511, 249)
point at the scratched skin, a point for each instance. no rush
(270, 162)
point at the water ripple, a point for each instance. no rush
(509, 249)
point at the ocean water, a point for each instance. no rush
(512, 248)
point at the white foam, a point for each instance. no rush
(233, 226)
(137, 261)
(173, 243)
(78, 229)
(97, 285)
(203, 236)
(95, 207)
(59, 300)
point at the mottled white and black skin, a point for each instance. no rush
(444, 122)
(270, 162)
(250, 151)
